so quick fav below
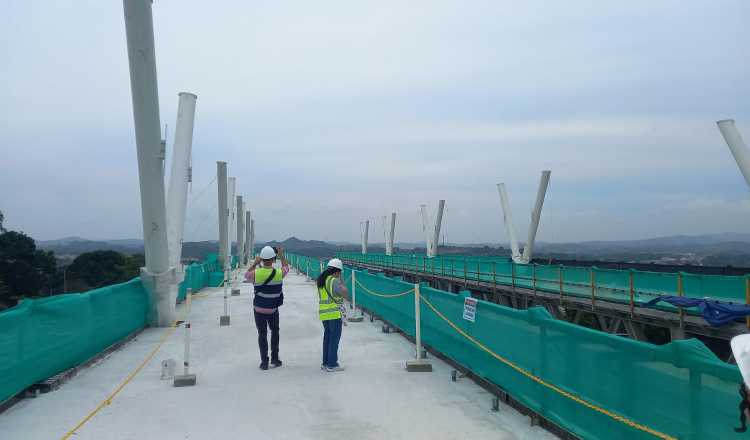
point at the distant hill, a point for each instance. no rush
(712, 249)
(72, 246)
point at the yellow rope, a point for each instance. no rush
(384, 295)
(131, 376)
(546, 384)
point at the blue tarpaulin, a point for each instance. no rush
(714, 312)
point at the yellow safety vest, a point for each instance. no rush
(328, 308)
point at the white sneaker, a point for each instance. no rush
(334, 369)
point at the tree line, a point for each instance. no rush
(28, 272)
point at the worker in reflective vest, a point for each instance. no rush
(331, 292)
(269, 296)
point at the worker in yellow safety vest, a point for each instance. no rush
(269, 296)
(331, 292)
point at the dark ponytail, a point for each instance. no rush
(323, 276)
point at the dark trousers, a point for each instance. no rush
(331, 338)
(263, 322)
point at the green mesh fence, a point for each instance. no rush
(593, 384)
(609, 284)
(43, 337)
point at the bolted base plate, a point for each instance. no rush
(421, 366)
(235, 292)
(354, 319)
(185, 380)
(224, 320)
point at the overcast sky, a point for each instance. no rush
(331, 112)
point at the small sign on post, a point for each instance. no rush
(470, 308)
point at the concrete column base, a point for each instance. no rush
(235, 292)
(354, 319)
(418, 366)
(224, 320)
(185, 380)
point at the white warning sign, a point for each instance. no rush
(470, 309)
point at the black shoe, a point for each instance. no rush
(264, 365)
(275, 363)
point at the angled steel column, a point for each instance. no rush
(536, 216)
(736, 146)
(425, 229)
(221, 183)
(392, 233)
(179, 178)
(365, 236)
(248, 245)
(232, 213)
(438, 222)
(510, 229)
(240, 231)
(157, 275)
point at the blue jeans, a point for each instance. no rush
(331, 338)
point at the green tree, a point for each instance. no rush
(98, 268)
(2, 218)
(133, 265)
(23, 268)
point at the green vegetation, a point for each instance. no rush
(102, 268)
(24, 270)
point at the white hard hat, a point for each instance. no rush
(267, 253)
(335, 262)
(741, 350)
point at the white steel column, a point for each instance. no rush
(178, 180)
(232, 213)
(365, 237)
(508, 221)
(221, 183)
(252, 238)
(248, 245)
(391, 234)
(157, 275)
(240, 232)
(736, 146)
(425, 229)
(536, 215)
(436, 236)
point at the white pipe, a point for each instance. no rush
(221, 183)
(438, 222)
(186, 363)
(226, 289)
(536, 216)
(156, 276)
(232, 214)
(392, 233)
(248, 242)
(240, 231)
(178, 179)
(417, 323)
(354, 291)
(508, 221)
(428, 245)
(737, 146)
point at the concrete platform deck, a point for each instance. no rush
(375, 398)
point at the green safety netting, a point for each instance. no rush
(609, 284)
(591, 383)
(43, 337)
